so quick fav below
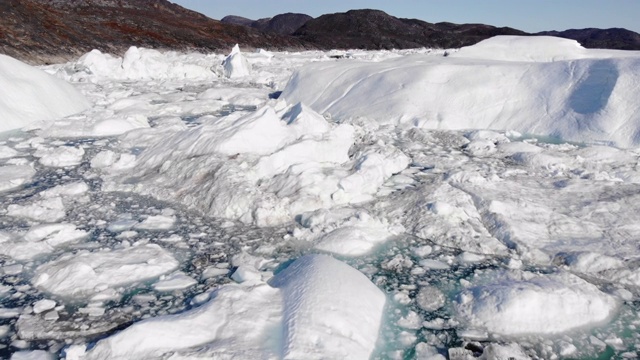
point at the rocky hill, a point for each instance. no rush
(615, 38)
(40, 31)
(284, 24)
(374, 29)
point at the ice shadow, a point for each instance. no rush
(593, 92)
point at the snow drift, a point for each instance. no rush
(536, 85)
(28, 94)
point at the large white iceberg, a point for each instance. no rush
(28, 94)
(543, 86)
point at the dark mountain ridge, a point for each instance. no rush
(283, 24)
(614, 38)
(375, 29)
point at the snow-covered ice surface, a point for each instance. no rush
(388, 205)
(28, 94)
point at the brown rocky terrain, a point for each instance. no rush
(41, 31)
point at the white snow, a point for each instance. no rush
(46, 210)
(28, 94)
(323, 312)
(175, 281)
(157, 222)
(40, 240)
(517, 303)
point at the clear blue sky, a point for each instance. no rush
(527, 15)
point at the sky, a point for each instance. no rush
(527, 15)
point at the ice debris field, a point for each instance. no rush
(474, 203)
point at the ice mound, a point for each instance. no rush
(589, 97)
(139, 64)
(45, 210)
(28, 94)
(313, 310)
(236, 65)
(346, 231)
(523, 48)
(519, 303)
(86, 274)
(324, 296)
(264, 167)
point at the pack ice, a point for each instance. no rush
(474, 203)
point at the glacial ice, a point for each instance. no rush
(29, 94)
(592, 91)
(163, 220)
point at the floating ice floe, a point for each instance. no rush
(310, 310)
(86, 274)
(46, 210)
(61, 156)
(40, 240)
(29, 94)
(345, 232)
(14, 176)
(512, 303)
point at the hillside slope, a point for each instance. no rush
(40, 31)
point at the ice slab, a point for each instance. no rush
(518, 303)
(14, 176)
(87, 273)
(45, 210)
